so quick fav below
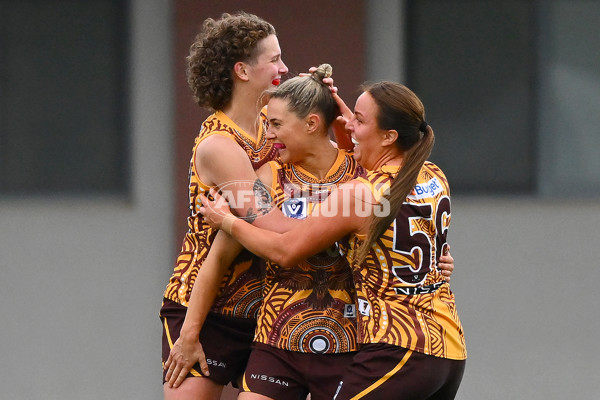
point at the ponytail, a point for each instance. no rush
(402, 108)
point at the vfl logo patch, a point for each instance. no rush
(295, 208)
(350, 311)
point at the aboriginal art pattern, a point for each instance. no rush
(240, 292)
(311, 307)
(402, 297)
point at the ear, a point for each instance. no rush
(240, 70)
(389, 137)
(312, 123)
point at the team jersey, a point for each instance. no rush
(402, 297)
(240, 290)
(309, 308)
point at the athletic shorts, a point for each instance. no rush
(282, 374)
(226, 342)
(383, 371)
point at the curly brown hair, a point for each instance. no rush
(215, 50)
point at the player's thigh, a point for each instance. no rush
(274, 373)
(454, 377)
(324, 372)
(194, 388)
(226, 342)
(381, 371)
(252, 396)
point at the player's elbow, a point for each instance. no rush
(288, 262)
(286, 258)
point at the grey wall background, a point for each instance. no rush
(570, 98)
(81, 279)
(525, 288)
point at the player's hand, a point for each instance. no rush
(214, 211)
(183, 356)
(342, 135)
(446, 264)
(328, 81)
(345, 111)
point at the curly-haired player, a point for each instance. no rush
(231, 62)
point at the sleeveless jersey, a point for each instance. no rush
(402, 298)
(240, 291)
(309, 308)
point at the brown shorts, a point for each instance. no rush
(226, 342)
(282, 374)
(383, 371)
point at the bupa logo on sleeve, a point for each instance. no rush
(295, 208)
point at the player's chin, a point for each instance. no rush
(357, 154)
(284, 156)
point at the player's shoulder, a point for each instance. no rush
(357, 189)
(433, 171)
(432, 168)
(219, 151)
(431, 182)
(217, 144)
(216, 125)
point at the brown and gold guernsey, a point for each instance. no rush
(309, 308)
(402, 297)
(240, 292)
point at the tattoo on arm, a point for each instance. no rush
(263, 202)
(250, 216)
(263, 198)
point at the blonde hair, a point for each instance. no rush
(308, 94)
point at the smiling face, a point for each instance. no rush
(267, 68)
(366, 135)
(288, 132)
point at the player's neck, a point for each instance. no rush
(244, 109)
(319, 163)
(390, 158)
(245, 118)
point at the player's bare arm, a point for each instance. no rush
(347, 210)
(187, 350)
(222, 163)
(309, 236)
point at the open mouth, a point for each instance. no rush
(354, 142)
(279, 146)
(276, 81)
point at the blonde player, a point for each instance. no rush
(306, 327)
(398, 217)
